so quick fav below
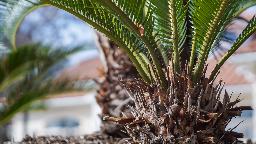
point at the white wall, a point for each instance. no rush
(246, 95)
(254, 112)
(83, 108)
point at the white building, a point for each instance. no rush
(67, 114)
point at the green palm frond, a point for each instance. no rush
(246, 33)
(141, 29)
(143, 32)
(171, 27)
(152, 31)
(15, 76)
(24, 77)
(111, 26)
(12, 13)
(29, 95)
(18, 63)
(234, 9)
(208, 24)
(243, 5)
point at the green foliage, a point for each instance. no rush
(154, 33)
(247, 32)
(171, 27)
(24, 77)
(209, 24)
(12, 13)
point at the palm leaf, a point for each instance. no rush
(142, 30)
(208, 23)
(170, 26)
(153, 27)
(25, 79)
(233, 10)
(15, 76)
(27, 97)
(12, 13)
(243, 5)
(18, 63)
(103, 24)
(246, 33)
(109, 24)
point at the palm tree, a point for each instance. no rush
(111, 97)
(168, 42)
(25, 78)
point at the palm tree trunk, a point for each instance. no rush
(25, 122)
(112, 98)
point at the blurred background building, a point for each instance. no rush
(76, 113)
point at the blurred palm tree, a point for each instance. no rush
(25, 78)
(112, 98)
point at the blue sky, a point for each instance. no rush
(60, 29)
(57, 28)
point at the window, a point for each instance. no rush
(63, 126)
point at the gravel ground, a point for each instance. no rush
(96, 138)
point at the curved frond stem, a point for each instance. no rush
(244, 4)
(16, 75)
(170, 23)
(28, 98)
(14, 21)
(121, 15)
(18, 23)
(18, 106)
(192, 54)
(175, 36)
(208, 40)
(247, 32)
(132, 26)
(142, 69)
(24, 77)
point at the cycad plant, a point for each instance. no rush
(168, 42)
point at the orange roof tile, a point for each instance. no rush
(85, 70)
(228, 73)
(251, 47)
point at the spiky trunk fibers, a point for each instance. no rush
(112, 98)
(186, 113)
